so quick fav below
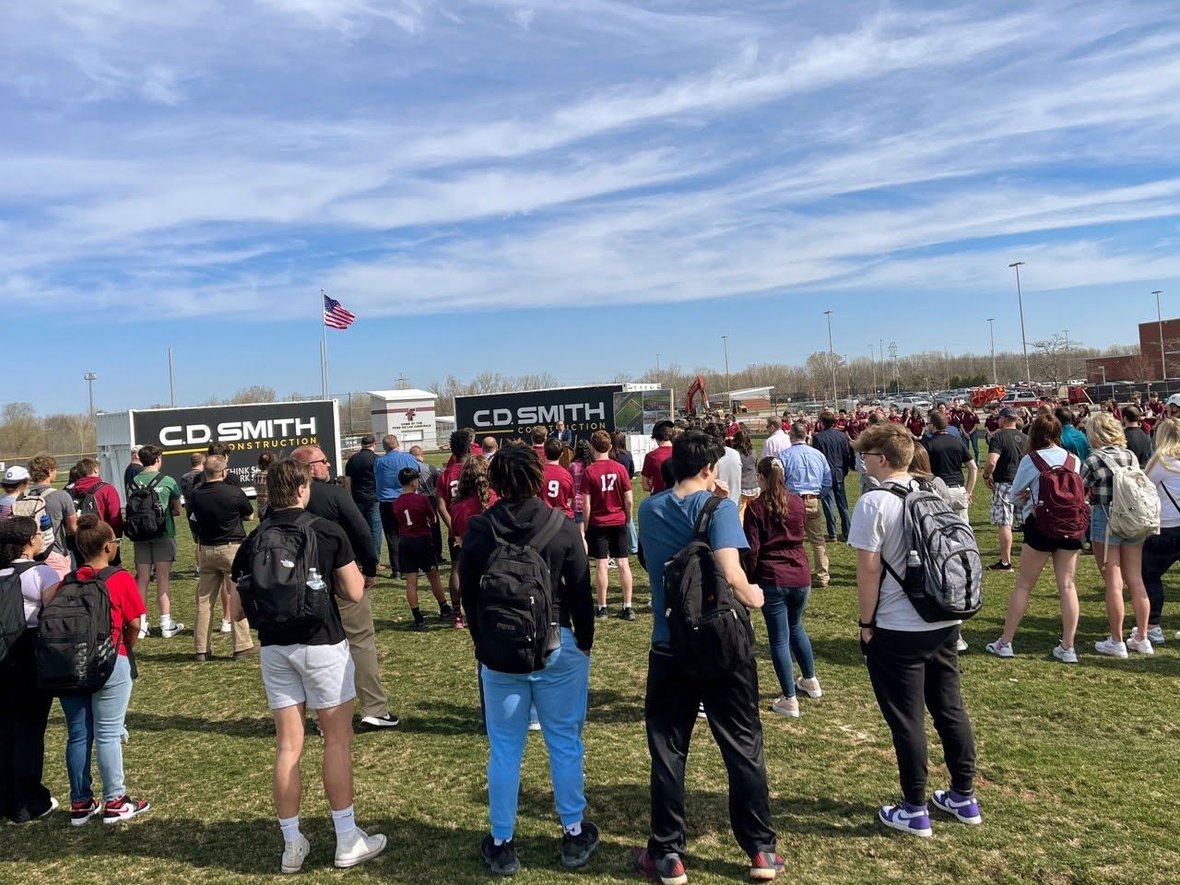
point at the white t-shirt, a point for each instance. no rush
(1169, 479)
(878, 527)
(32, 582)
(729, 471)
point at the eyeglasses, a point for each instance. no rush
(318, 461)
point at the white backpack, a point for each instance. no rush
(1134, 502)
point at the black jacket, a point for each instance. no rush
(837, 449)
(569, 571)
(331, 502)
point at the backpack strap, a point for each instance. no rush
(548, 531)
(701, 529)
(155, 482)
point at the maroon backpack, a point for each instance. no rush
(1061, 511)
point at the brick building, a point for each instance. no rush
(1145, 365)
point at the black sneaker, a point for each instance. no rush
(576, 851)
(500, 859)
(628, 613)
(379, 723)
(446, 614)
(1000, 567)
(603, 614)
(420, 625)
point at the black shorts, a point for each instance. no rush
(609, 541)
(416, 554)
(1034, 539)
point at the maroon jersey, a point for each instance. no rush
(842, 424)
(954, 418)
(447, 484)
(415, 515)
(968, 421)
(895, 419)
(465, 508)
(992, 424)
(603, 489)
(652, 463)
(557, 490)
(855, 426)
(916, 425)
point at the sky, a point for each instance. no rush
(570, 186)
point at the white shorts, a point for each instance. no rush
(320, 676)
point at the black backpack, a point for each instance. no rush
(517, 619)
(12, 607)
(275, 591)
(88, 501)
(75, 650)
(709, 630)
(943, 573)
(145, 520)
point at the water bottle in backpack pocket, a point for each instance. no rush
(283, 588)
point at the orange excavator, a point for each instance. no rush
(696, 390)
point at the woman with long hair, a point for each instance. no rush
(473, 496)
(1160, 552)
(23, 797)
(751, 488)
(583, 455)
(777, 562)
(921, 470)
(1044, 441)
(1119, 559)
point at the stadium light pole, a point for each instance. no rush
(90, 378)
(874, 362)
(831, 356)
(657, 368)
(881, 352)
(728, 386)
(1023, 337)
(1159, 318)
(991, 332)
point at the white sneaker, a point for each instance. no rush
(171, 630)
(294, 854)
(961, 644)
(1065, 655)
(809, 687)
(786, 706)
(358, 848)
(1109, 647)
(1143, 646)
(1000, 649)
(1155, 635)
(144, 630)
(227, 627)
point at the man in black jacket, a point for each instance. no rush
(837, 449)
(333, 503)
(558, 690)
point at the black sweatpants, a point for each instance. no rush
(670, 711)
(24, 712)
(1160, 553)
(389, 528)
(912, 671)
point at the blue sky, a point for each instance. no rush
(569, 185)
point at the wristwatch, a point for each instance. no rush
(865, 626)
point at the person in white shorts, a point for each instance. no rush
(309, 667)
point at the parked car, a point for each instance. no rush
(912, 402)
(1021, 399)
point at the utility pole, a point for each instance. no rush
(881, 353)
(171, 380)
(90, 378)
(1067, 355)
(657, 368)
(893, 359)
(831, 356)
(728, 386)
(1160, 321)
(991, 331)
(874, 362)
(1023, 338)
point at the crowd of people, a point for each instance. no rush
(570, 501)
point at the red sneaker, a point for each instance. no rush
(123, 809)
(667, 870)
(765, 866)
(81, 812)
(458, 624)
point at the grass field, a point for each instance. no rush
(1077, 765)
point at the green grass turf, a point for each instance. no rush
(1077, 765)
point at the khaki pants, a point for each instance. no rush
(357, 618)
(816, 533)
(214, 563)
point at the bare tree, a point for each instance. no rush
(255, 393)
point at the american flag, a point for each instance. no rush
(336, 316)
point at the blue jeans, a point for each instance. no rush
(836, 501)
(373, 515)
(973, 439)
(783, 609)
(634, 536)
(559, 693)
(97, 719)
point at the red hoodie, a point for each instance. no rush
(109, 506)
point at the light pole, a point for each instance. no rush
(893, 359)
(881, 353)
(1023, 338)
(1160, 322)
(831, 356)
(1067, 354)
(874, 362)
(728, 387)
(991, 332)
(657, 368)
(90, 378)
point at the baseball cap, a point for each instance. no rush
(1009, 412)
(135, 449)
(407, 475)
(1174, 400)
(15, 474)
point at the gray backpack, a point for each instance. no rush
(943, 573)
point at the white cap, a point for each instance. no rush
(1174, 400)
(15, 474)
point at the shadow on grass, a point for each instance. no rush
(260, 726)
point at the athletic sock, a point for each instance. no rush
(165, 622)
(499, 842)
(573, 829)
(290, 828)
(344, 821)
(417, 613)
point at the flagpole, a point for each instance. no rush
(323, 348)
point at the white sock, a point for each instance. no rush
(344, 821)
(290, 828)
(499, 842)
(573, 829)
(165, 622)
